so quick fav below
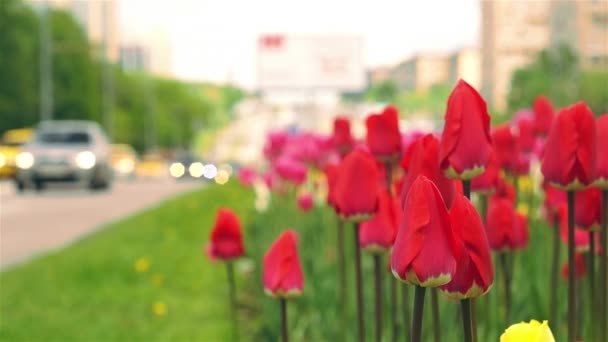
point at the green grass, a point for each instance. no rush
(90, 291)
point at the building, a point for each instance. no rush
(134, 57)
(584, 26)
(465, 64)
(421, 72)
(98, 18)
(514, 31)
(379, 75)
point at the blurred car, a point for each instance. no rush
(123, 159)
(65, 150)
(10, 146)
(187, 166)
(152, 165)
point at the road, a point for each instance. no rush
(34, 223)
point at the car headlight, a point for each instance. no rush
(177, 170)
(85, 160)
(125, 165)
(196, 169)
(24, 160)
(2, 160)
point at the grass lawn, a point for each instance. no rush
(144, 278)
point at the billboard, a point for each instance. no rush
(303, 62)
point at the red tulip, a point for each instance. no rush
(580, 267)
(520, 233)
(521, 164)
(505, 145)
(305, 202)
(602, 151)
(581, 237)
(569, 157)
(525, 131)
(588, 208)
(246, 176)
(378, 234)
(291, 170)
(226, 238)
(504, 189)
(554, 199)
(357, 187)
(423, 161)
(543, 115)
(425, 251)
(409, 145)
(282, 270)
(500, 224)
(275, 141)
(466, 142)
(486, 182)
(383, 137)
(342, 139)
(331, 175)
(475, 271)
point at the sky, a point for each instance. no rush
(215, 40)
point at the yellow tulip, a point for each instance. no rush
(528, 332)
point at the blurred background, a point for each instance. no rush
(187, 90)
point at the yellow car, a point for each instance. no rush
(152, 165)
(123, 160)
(10, 146)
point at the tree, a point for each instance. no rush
(385, 91)
(18, 65)
(556, 74)
(76, 74)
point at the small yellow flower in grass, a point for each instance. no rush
(525, 184)
(523, 208)
(142, 265)
(158, 279)
(534, 331)
(159, 309)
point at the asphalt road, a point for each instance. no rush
(33, 223)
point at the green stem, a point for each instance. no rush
(416, 332)
(465, 306)
(393, 301)
(435, 313)
(405, 297)
(591, 280)
(378, 294)
(474, 319)
(571, 279)
(504, 263)
(232, 295)
(341, 274)
(554, 282)
(604, 266)
(284, 335)
(466, 188)
(359, 285)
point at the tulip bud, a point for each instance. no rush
(425, 251)
(226, 236)
(383, 137)
(466, 142)
(474, 271)
(569, 157)
(282, 270)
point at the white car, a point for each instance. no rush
(67, 151)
